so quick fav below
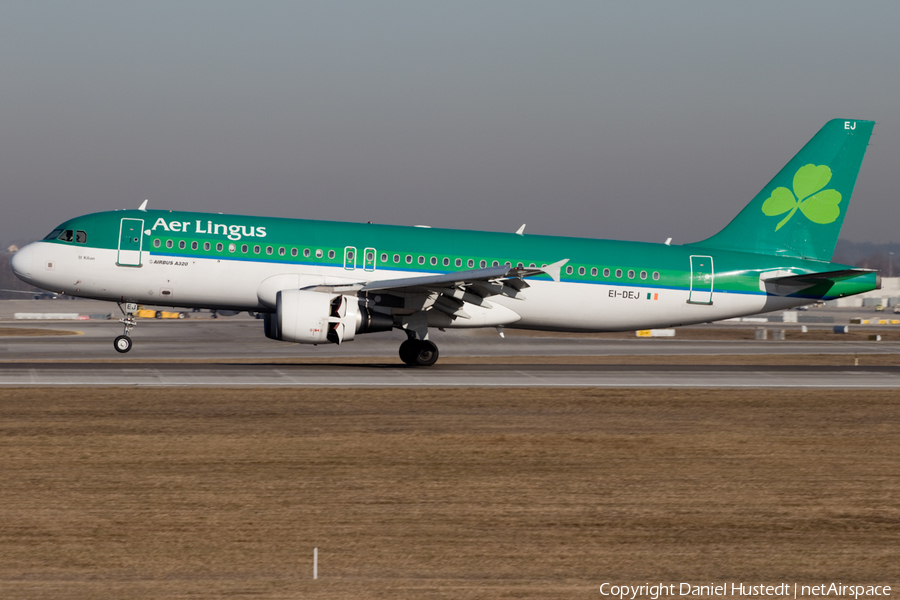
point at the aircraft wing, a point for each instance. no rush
(491, 280)
(449, 292)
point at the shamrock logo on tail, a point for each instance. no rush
(819, 206)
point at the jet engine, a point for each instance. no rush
(308, 317)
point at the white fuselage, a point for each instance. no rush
(242, 285)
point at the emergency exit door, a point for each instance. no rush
(701, 280)
(369, 259)
(131, 238)
(350, 258)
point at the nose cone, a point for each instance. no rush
(22, 263)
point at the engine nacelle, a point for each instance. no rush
(309, 317)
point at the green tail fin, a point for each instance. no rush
(801, 211)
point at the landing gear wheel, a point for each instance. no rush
(122, 344)
(408, 351)
(427, 354)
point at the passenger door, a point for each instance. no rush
(131, 238)
(701, 280)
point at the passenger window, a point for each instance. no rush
(319, 253)
(593, 271)
(630, 274)
(169, 244)
(471, 263)
(244, 248)
(446, 262)
(219, 247)
(434, 261)
(520, 265)
(383, 257)
(409, 259)
(182, 245)
(195, 245)
(331, 254)
(66, 236)
(421, 260)
(483, 264)
(256, 249)
(232, 247)
(496, 263)
(606, 272)
(293, 252)
(655, 275)
(157, 243)
(269, 250)
(396, 258)
(618, 272)
(80, 237)
(206, 246)
(531, 266)
(508, 264)
(569, 270)
(643, 274)
(281, 252)
(306, 253)
(370, 256)
(458, 262)
(581, 270)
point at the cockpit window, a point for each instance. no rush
(53, 234)
(66, 236)
(80, 237)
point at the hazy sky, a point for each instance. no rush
(622, 120)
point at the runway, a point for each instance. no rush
(442, 376)
(201, 353)
(232, 339)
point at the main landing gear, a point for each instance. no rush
(418, 353)
(123, 343)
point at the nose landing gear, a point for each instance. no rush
(123, 343)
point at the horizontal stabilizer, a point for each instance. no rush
(808, 279)
(804, 283)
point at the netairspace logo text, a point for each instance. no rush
(783, 590)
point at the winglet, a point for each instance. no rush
(554, 270)
(143, 206)
(521, 230)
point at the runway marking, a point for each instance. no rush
(526, 374)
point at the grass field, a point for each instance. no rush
(194, 493)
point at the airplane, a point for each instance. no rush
(320, 282)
